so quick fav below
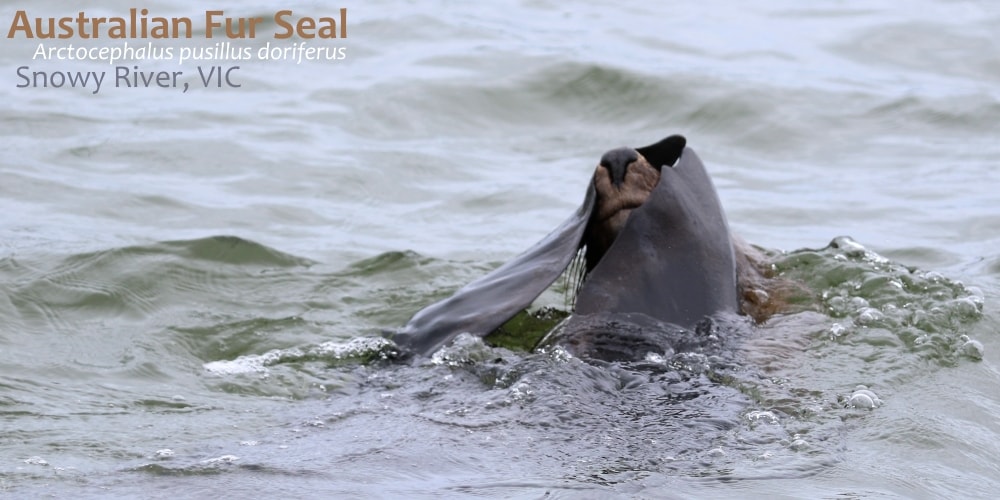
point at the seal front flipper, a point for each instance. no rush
(483, 305)
(673, 260)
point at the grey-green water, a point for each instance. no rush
(191, 284)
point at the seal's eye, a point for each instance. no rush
(617, 162)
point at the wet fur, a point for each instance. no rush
(762, 293)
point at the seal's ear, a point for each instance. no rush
(665, 152)
(483, 305)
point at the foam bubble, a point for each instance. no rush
(691, 362)
(521, 392)
(657, 358)
(864, 398)
(799, 444)
(971, 348)
(869, 315)
(970, 306)
(762, 416)
(559, 354)
(838, 329)
(464, 349)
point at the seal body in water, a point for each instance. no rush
(659, 258)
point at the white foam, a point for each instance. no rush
(258, 363)
(252, 363)
(224, 459)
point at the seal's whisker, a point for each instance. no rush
(573, 278)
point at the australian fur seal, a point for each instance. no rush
(657, 251)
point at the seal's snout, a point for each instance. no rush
(622, 182)
(617, 162)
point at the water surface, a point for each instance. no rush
(191, 284)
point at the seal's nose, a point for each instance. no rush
(617, 161)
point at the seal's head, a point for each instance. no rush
(623, 181)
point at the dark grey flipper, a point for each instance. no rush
(483, 305)
(673, 260)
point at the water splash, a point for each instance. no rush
(870, 296)
(360, 350)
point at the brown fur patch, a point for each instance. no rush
(615, 203)
(761, 293)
